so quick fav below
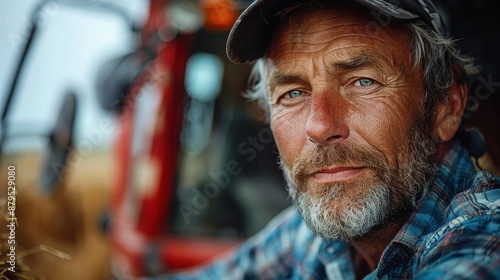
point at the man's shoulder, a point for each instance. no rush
(471, 228)
(480, 199)
(468, 241)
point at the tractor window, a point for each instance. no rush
(228, 181)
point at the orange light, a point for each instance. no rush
(220, 15)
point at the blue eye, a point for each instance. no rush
(294, 93)
(364, 82)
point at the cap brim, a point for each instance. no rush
(252, 31)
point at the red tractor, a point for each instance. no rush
(183, 191)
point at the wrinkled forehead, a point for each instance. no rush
(352, 25)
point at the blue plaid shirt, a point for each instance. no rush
(454, 233)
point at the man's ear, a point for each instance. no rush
(449, 109)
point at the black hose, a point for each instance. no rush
(19, 70)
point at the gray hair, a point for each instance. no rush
(436, 55)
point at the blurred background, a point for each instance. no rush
(135, 151)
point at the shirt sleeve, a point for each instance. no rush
(267, 255)
(468, 250)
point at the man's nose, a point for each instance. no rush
(327, 118)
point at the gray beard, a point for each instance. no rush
(394, 190)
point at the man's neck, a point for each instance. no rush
(369, 248)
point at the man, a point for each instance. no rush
(365, 99)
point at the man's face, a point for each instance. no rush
(346, 112)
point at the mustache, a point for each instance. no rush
(338, 154)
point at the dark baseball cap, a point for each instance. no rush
(250, 35)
